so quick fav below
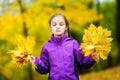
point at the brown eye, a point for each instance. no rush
(61, 24)
(54, 24)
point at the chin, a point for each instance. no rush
(58, 34)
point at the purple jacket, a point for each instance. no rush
(58, 58)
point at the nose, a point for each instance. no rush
(57, 26)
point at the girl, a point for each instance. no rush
(60, 53)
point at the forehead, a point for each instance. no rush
(58, 19)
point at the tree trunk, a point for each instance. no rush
(22, 10)
(118, 28)
(25, 33)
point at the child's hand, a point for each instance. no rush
(95, 56)
(32, 59)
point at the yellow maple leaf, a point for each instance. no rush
(96, 39)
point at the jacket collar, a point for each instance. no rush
(58, 39)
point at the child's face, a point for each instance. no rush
(58, 26)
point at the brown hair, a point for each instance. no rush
(66, 21)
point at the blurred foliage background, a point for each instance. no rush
(30, 18)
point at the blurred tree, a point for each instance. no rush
(110, 19)
(118, 28)
(22, 10)
(25, 32)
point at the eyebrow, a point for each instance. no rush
(53, 22)
(59, 22)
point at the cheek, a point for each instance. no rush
(53, 29)
(64, 28)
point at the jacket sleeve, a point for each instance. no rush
(42, 64)
(82, 61)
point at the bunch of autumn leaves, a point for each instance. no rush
(24, 50)
(94, 39)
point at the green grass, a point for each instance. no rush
(108, 74)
